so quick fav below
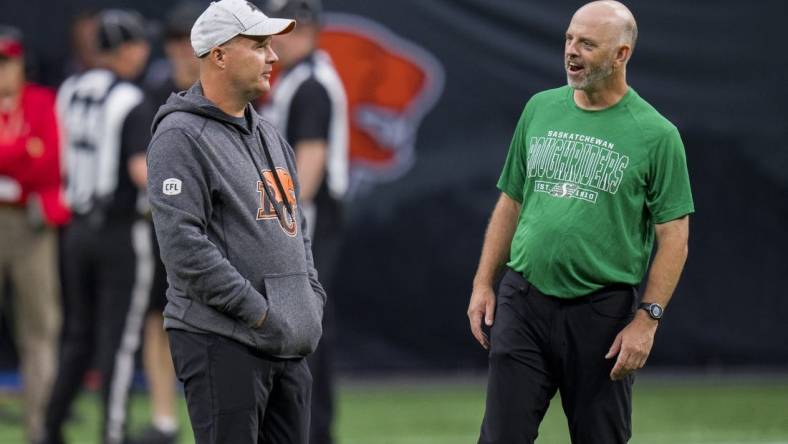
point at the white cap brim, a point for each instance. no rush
(271, 26)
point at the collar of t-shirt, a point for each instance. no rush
(244, 122)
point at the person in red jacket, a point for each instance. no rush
(31, 208)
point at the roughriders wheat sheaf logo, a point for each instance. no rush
(391, 84)
(276, 208)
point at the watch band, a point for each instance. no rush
(654, 310)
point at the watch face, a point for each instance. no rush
(656, 311)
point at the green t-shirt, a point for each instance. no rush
(592, 186)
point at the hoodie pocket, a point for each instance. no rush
(295, 313)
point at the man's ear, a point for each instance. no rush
(219, 57)
(623, 53)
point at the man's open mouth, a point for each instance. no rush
(574, 67)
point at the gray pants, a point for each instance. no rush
(28, 257)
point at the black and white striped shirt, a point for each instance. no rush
(105, 121)
(309, 102)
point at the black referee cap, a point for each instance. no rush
(303, 11)
(118, 26)
(181, 18)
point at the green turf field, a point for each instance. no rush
(669, 411)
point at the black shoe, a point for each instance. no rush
(152, 435)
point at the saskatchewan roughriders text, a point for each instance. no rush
(579, 159)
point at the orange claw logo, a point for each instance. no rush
(391, 84)
(272, 210)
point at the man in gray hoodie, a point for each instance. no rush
(244, 305)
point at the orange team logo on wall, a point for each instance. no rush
(391, 84)
(277, 209)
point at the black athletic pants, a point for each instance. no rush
(321, 366)
(107, 276)
(326, 246)
(540, 344)
(237, 395)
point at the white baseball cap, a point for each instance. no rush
(226, 19)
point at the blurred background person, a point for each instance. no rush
(84, 47)
(177, 72)
(308, 105)
(107, 246)
(180, 68)
(30, 210)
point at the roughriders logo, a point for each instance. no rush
(391, 84)
(565, 190)
(277, 209)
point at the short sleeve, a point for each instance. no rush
(512, 179)
(136, 129)
(668, 193)
(310, 113)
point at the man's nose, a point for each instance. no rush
(571, 48)
(271, 57)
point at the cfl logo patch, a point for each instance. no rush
(171, 187)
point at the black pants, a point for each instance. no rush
(541, 344)
(321, 366)
(326, 249)
(107, 276)
(237, 395)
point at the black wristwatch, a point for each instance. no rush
(654, 310)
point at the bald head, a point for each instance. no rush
(599, 44)
(616, 18)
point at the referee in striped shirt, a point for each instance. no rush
(107, 248)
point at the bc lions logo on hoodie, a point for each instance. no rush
(273, 210)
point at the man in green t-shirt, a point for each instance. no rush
(593, 174)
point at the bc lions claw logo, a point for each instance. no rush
(391, 84)
(272, 210)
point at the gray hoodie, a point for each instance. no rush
(231, 249)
